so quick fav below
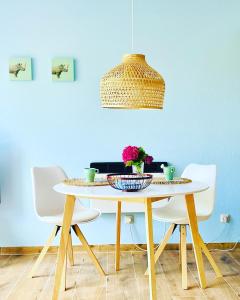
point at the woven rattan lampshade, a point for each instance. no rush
(133, 85)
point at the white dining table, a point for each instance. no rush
(155, 192)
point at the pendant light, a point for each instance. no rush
(133, 84)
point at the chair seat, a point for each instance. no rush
(173, 215)
(79, 216)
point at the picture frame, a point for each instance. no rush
(63, 69)
(20, 69)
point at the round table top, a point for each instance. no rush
(153, 191)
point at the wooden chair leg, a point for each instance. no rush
(44, 250)
(209, 257)
(163, 244)
(183, 255)
(70, 250)
(195, 238)
(62, 250)
(89, 250)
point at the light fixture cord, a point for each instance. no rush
(132, 15)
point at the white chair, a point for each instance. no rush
(49, 207)
(175, 212)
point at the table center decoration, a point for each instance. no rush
(176, 180)
(136, 157)
(83, 182)
(129, 182)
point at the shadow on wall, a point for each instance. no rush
(10, 184)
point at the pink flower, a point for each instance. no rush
(148, 159)
(130, 153)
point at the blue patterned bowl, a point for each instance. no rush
(129, 182)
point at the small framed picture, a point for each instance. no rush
(20, 68)
(63, 69)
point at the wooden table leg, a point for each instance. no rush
(70, 250)
(180, 247)
(183, 251)
(150, 249)
(64, 276)
(195, 238)
(67, 218)
(118, 236)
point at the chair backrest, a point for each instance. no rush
(47, 202)
(207, 174)
(119, 167)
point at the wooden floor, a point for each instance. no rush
(83, 281)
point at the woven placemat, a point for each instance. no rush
(162, 180)
(82, 182)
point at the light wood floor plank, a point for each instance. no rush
(31, 288)
(123, 284)
(140, 264)
(217, 288)
(84, 282)
(47, 288)
(11, 273)
(83, 279)
(169, 261)
(236, 255)
(4, 259)
(230, 268)
(188, 298)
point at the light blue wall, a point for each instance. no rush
(196, 47)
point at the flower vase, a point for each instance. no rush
(139, 169)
